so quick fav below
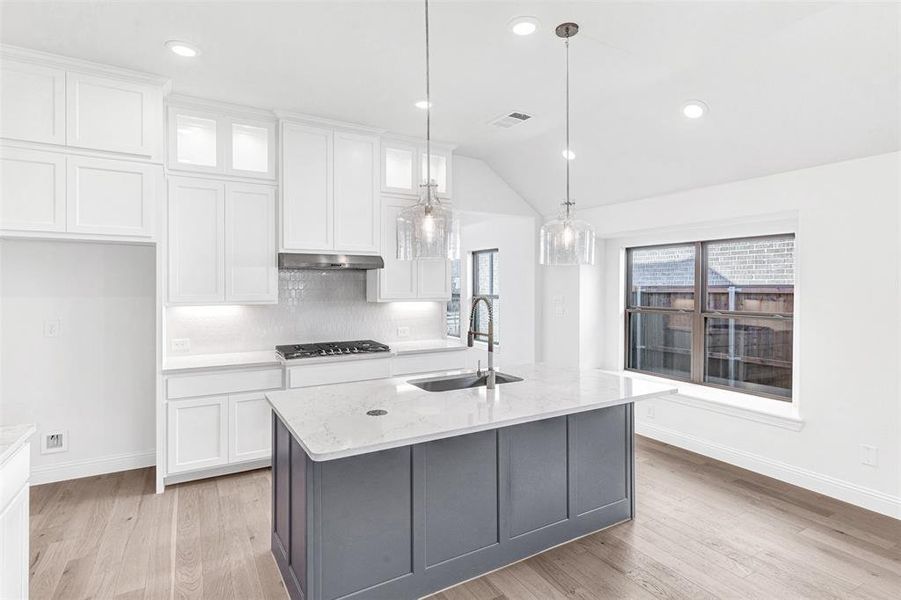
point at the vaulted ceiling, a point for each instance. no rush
(789, 84)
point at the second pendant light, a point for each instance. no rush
(566, 240)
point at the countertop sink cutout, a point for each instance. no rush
(460, 382)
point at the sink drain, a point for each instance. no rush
(376, 412)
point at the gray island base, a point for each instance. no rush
(408, 521)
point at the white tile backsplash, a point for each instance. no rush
(313, 306)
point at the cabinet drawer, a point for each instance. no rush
(187, 386)
(14, 475)
(339, 372)
(435, 361)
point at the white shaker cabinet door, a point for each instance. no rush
(251, 252)
(198, 433)
(356, 203)
(250, 427)
(196, 240)
(110, 114)
(433, 279)
(397, 280)
(32, 190)
(33, 98)
(307, 188)
(14, 547)
(112, 197)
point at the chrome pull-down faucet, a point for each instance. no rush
(470, 337)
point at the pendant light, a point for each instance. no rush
(426, 229)
(566, 240)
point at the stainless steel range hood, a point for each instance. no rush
(329, 262)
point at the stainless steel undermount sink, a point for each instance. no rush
(460, 382)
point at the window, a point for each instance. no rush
(453, 305)
(716, 313)
(485, 283)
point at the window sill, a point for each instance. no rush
(745, 406)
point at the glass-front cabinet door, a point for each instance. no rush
(404, 167)
(214, 142)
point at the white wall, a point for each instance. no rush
(96, 380)
(846, 217)
(514, 238)
(477, 188)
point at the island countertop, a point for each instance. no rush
(330, 421)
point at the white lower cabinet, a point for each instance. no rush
(249, 427)
(425, 279)
(14, 533)
(219, 419)
(222, 242)
(198, 433)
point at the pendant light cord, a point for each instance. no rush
(428, 111)
(568, 151)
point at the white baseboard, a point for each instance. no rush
(91, 466)
(852, 493)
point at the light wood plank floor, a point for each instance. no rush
(704, 530)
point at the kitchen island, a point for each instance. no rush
(384, 490)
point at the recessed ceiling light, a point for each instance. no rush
(694, 109)
(423, 104)
(185, 49)
(568, 154)
(523, 25)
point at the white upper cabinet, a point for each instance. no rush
(212, 140)
(196, 240)
(222, 246)
(404, 279)
(104, 113)
(113, 197)
(50, 192)
(403, 167)
(94, 107)
(33, 98)
(307, 188)
(193, 142)
(399, 175)
(253, 148)
(251, 267)
(329, 182)
(356, 219)
(439, 170)
(32, 190)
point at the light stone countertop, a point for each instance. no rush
(262, 358)
(194, 362)
(330, 421)
(12, 437)
(428, 346)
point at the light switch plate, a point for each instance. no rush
(51, 328)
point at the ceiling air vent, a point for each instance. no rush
(514, 118)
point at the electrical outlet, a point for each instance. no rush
(559, 306)
(181, 345)
(869, 455)
(51, 328)
(54, 441)
(403, 332)
(651, 413)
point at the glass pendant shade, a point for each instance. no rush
(566, 241)
(426, 229)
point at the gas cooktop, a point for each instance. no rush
(319, 349)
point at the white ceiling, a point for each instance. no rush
(789, 84)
